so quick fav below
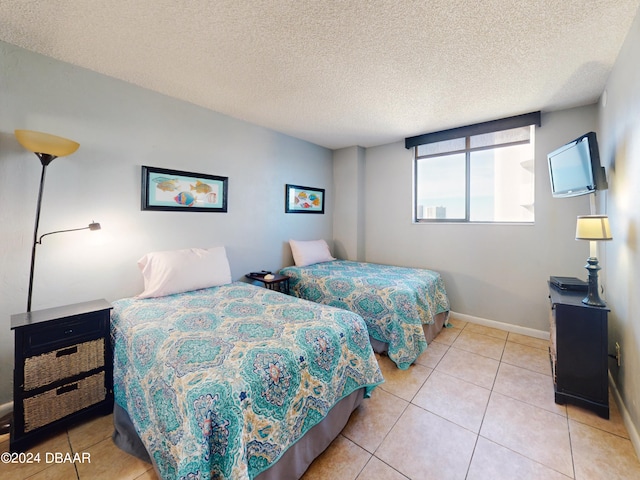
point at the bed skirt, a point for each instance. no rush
(430, 332)
(293, 462)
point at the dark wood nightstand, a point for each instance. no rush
(279, 283)
(579, 351)
(63, 369)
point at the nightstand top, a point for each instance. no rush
(56, 313)
(568, 297)
(276, 278)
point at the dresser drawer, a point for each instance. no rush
(51, 335)
(41, 370)
(57, 403)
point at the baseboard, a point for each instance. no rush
(634, 436)
(530, 332)
(6, 408)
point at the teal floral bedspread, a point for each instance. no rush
(220, 382)
(394, 301)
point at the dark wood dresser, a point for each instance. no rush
(579, 351)
(63, 369)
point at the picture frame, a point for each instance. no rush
(176, 190)
(300, 199)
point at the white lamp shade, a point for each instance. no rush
(593, 227)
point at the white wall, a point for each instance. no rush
(121, 127)
(495, 272)
(348, 216)
(620, 151)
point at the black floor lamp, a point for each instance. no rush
(47, 148)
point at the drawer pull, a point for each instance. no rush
(68, 332)
(67, 351)
(66, 389)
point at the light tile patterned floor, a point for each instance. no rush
(477, 405)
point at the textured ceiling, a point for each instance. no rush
(340, 73)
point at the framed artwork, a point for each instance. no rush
(175, 190)
(299, 199)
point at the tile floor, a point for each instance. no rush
(477, 405)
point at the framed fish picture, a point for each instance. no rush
(299, 199)
(175, 190)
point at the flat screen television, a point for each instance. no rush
(574, 168)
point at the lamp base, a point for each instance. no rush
(593, 298)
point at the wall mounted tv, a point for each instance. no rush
(574, 168)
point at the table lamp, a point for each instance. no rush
(593, 228)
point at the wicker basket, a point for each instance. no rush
(56, 403)
(41, 370)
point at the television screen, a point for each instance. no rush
(574, 168)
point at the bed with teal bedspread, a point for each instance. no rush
(395, 302)
(220, 382)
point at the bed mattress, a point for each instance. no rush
(395, 302)
(221, 382)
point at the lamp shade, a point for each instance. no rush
(46, 143)
(593, 227)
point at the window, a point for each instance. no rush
(476, 174)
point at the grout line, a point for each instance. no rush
(473, 452)
(394, 423)
(390, 466)
(365, 464)
(573, 462)
(357, 445)
(75, 465)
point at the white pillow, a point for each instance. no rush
(166, 273)
(310, 252)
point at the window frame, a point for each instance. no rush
(530, 119)
(467, 168)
